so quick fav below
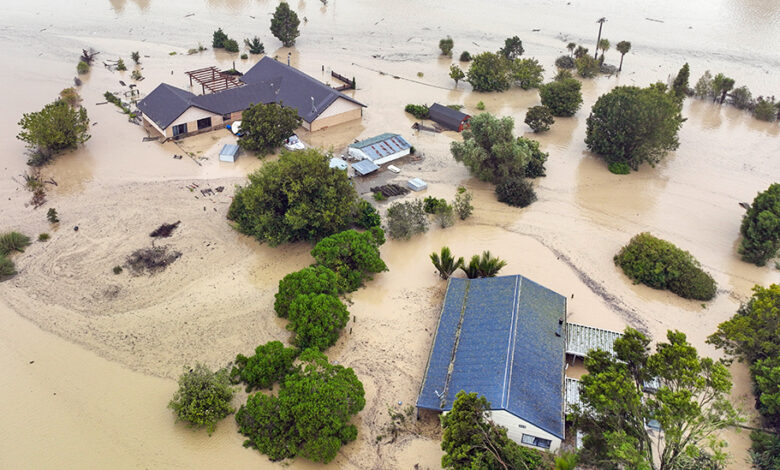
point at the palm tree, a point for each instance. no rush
(571, 46)
(600, 21)
(604, 46)
(488, 265)
(446, 263)
(472, 270)
(623, 47)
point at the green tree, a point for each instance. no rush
(465, 56)
(580, 51)
(284, 25)
(563, 97)
(471, 441)
(445, 263)
(471, 270)
(405, 219)
(741, 98)
(691, 404)
(539, 118)
(680, 85)
(353, 255)
(431, 204)
(309, 280)
(218, 39)
(254, 45)
(456, 74)
(661, 265)
(634, 125)
(298, 197)
(136, 56)
(311, 414)
(317, 320)
(270, 364)
(571, 46)
(462, 203)
(760, 227)
(765, 450)
(535, 167)
(489, 265)
(703, 88)
(766, 109)
(367, 216)
(721, 85)
(516, 191)
(766, 378)
(587, 66)
(564, 62)
(488, 72)
(490, 150)
(420, 111)
(266, 126)
(604, 47)
(513, 48)
(120, 65)
(53, 129)
(231, 45)
(446, 46)
(623, 47)
(526, 73)
(203, 397)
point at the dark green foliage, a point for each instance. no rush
(55, 128)
(580, 52)
(634, 125)
(6, 266)
(117, 269)
(203, 397)
(367, 216)
(691, 404)
(82, 67)
(244, 56)
(353, 255)
(721, 85)
(760, 227)
(766, 109)
(446, 46)
(661, 265)
(566, 461)
(526, 73)
(254, 45)
(444, 216)
(462, 203)
(563, 97)
(488, 265)
(703, 88)
(42, 237)
(465, 56)
(270, 364)
(266, 126)
(564, 62)
(535, 167)
(420, 111)
(539, 118)
(231, 45)
(218, 39)
(317, 320)
(680, 84)
(309, 280)
(284, 25)
(120, 65)
(488, 72)
(445, 263)
(587, 66)
(13, 241)
(515, 191)
(471, 270)
(456, 73)
(766, 386)
(136, 56)
(405, 219)
(513, 48)
(741, 98)
(623, 47)
(619, 168)
(310, 415)
(471, 441)
(432, 205)
(295, 198)
(765, 450)
(378, 196)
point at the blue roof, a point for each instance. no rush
(364, 167)
(229, 149)
(497, 337)
(382, 145)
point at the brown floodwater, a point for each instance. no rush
(110, 347)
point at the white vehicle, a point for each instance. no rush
(393, 168)
(293, 143)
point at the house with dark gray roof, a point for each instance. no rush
(173, 112)
(502, 338)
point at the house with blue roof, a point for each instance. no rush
(380, 149)
(503, 338)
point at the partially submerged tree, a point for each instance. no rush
(317, 320)
(266, 126)
(563, 97)
(136, 56)
(603, 46)
(462, 203)
(284, 25)
(703, 87)
(516, 191)
(535, 167)
(623, 47)
(353, 255)
(218, 39)
(587, 66)
(690, 405)
(526, 73)
(203, 397)
(766, 109)
(456, 74)
(760, 227)
(445, 263)
(309, 280)
(513, 48)
(254, 45)
(54, 129)
(405, 219)
(446, 45)
(539, 118)
(490, 150)
(488, 72)
(270, 364)
(721, 85)
(680, 84)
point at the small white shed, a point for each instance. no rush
(338, 163)
(416, 184)
(228, 153)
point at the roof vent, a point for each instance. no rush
(313, 108)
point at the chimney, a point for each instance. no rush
(288, 58)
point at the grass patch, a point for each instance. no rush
(13, 241)
(619, 168)
(42, 237)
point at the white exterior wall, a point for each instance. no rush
(516, 427)
(357, 154)
(191, 117)
(392, 157)
(153, 124)
(337, 107)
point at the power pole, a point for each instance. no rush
(601, 24)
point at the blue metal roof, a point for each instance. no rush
(497, 337)
(382, 145)
(364, 167)
(229, 149)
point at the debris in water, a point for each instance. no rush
(219, 189)
(165, 230)
(151, 260)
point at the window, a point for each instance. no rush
(536, 441)
(204, 123)
(226, 117)
(179, 129)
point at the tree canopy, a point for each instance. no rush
(623, 47)
(488, 72)
(634, 125)
(680, 84)
(298, 197)
(284, 24)
(353, 255)
(513, 48)
(526, 73)
(760, 227)
(690, 405)
(55, 128)
(456, 74)
(563, 97)
(270, 364)
(405, 219)
(317, 320)
(309, 280)
(446, 46)
(203, 397)
(266, 126)
(311, 414)
(539, 118)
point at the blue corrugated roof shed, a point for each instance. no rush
(382, 145)
(364, 167)
(500, 337)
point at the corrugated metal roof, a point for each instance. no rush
(229, 149)
(382, 145)
(572, 393)
(447, 117)
(497, 337)
(364, 167)
(580, 339)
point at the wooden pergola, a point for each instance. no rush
(211, 79)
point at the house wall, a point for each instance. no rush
(152, 125)
(516, 427)
(338, 112)
(392, 157)
(190, 117)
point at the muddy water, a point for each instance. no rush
(566, 240)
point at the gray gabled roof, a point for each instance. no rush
(165, 103)
(446, 116)
(500, 337)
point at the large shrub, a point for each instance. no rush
(203, 397)
(766, 109)
(518, 192)
(317, 320)
(298, 197)
(367, 216)
(446, 45)
(405, 219)
(488, 72)
(218, 39)
(266, 126)
(563, 97)
(490, 150)
(760, 227)
(564, 62)
(13, 241)
(7, 267)
(270, 364)
(661, 265)
(539, 118)
(526, 73)
(587, 66)
(53, 129)
(420, 111)
(284, 24)
(353, 255)
(309, 280)
(535, 166)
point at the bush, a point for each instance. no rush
(488, 72)
(619, 168)
(117, 269)
(431, 205)
(766, 109)
(661, 265)
(82, 67)
(203, 397)
(481, 106)
(270, 364)
(462, 203)
(309, 280)
(741, 98)
(70, 96)
(420, 111)
(367, 216)
(515, 191)
(445, 263)
(465, 56)
(231, 45)
(405, 219)
(564, 62)
(6, 266)
(42, 237)
(539, 118)
(446, 46)
(13, 241)
(218, 39)
(284, 25)
(53, 129)
(353, 255)
(587, 66)
(120, 65)
(765, 450)
(244, 57)
(254, 45)
(379, 196)
(136, 56)
(563, 97)
(760, 227)
(445, 216)
(317, 320)
(535, 166)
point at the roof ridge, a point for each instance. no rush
(451, 367)
(512, 343)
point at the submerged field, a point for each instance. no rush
(91, 357)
